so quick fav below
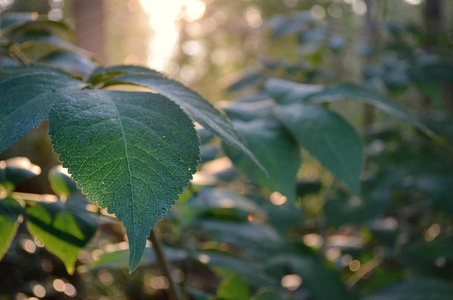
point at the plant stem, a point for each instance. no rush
(364, 270)
(173, 291)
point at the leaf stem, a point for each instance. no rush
(173, 291)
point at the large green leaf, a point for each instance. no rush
(198, 108)
(328, 138)
(10, 210)
(25, 102)
(64, 228)
(275, 148)
(130, 152)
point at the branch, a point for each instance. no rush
(173, 292)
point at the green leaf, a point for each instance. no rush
(247, 111)
(328, 138)
(198, 108)
(416, 289)
(7, 72)
(130, 152)
(323, 283)
(64, 228)
(286, 92)
(33, 50)
(269, 294)
(219, 203)
(119, 259)
(250, 272)
(26, 101)
(17, 170)
(10, 210)
(69, 61)
(61, 183)
(233, 288)
(15, 25)
(254, 240)
(246, 80)
(275, 148)
(346, 91)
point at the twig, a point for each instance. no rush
(173, 291)
(364, 270)
(35, 197)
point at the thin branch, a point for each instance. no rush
(34, 197)
(364, 270)
(173, 292)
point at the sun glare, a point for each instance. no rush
(163, 21)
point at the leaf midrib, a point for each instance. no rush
(128, 168)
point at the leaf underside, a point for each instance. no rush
(130, 152)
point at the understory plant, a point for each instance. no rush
(131, 140)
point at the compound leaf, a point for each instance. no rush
(130, 152)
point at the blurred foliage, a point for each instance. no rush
(236, 237)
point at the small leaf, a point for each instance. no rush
(10, 210)
(285, 92)
(17, 170)
(275, 148)
(269, 294)
(130, 152)
(246, 80)
(26, 101)
(233, 288)
(328, 138)
(61, 182)
(64, 228)
(198, 108)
